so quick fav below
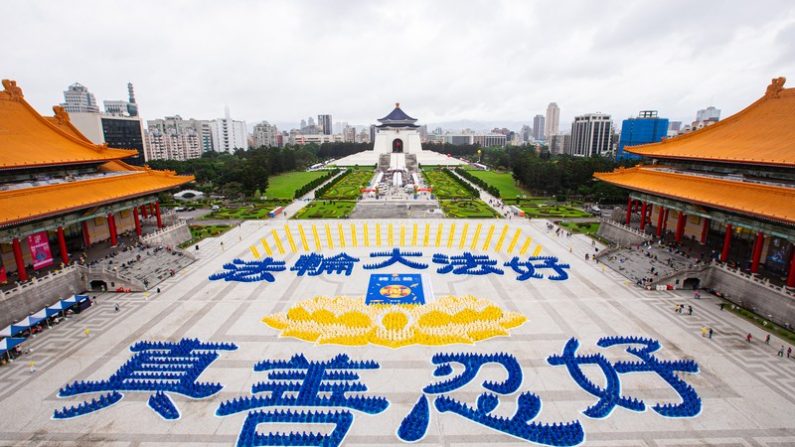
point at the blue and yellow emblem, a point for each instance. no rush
(395, 289)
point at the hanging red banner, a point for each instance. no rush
(39, 245)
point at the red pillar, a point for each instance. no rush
(665, 220)
(21, 272)
(157, 214)
(137, 221)
(704, 231)
(151, 209)
(680, 227)
(62, 246)
(144, 211)
(649, 213)
(791, 274)
(757, 253)
(660, 214)
(114, 241)
(86, 236)
(629, 211)
(727, 241)
(643, 216)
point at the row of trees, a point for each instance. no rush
(246, 171)
(543, 174)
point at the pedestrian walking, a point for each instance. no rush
(748, 338)
(767, 339)
(158, 290)
(781, 351)
(722, 305)
(116, 307)
(789, 351)
(689, 309)
(710, 333)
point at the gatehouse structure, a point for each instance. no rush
(397, 144)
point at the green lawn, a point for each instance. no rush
(588, 228)
(349, 188)
(465, 209)
(444, 186)
(199, 232)
(326, 209)
(258, 210)
(547, 207)
(283, 186)
(501, 180)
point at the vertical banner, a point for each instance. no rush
(3, 275)
(39, 244)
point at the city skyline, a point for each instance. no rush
(606, 65)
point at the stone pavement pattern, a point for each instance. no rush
(748, 393)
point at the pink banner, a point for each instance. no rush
(39, 245)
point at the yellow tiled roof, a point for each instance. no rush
(22, 205)
(762, 133)
(27, 139)
(764, 201)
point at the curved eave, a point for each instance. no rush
(400, 126)
(766, 202)
(125, 153)
(31, 204)
(725, 160)
(761, 134)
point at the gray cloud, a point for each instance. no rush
(443, 60)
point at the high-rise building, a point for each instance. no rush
(324, 122)
(709, 114)
(559, 144)
(373, 131)
(646, 128)
(348, 134)
(174, 138)
(538, 127)
(121, 107)
(173, 144)
(77, 98)
(553, 120)
(228, 134)
(117, 128)
(526, 133)
(265, 135)
(181, 126)
(591, 135)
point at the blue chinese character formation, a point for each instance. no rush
(529, 268)
(610, 395)
(301, 383)
(250, 271)
(466, 264)
(158, 367)
(315, 264)
(415, 425)
(396, 256)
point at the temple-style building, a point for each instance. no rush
(397, 144)
(60, 193)
(729, 187)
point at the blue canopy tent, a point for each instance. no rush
(10, 331)
(57, 308)
(7, 343)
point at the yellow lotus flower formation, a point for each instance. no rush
(348, 321)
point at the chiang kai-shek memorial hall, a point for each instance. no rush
(729, 187)
(61, 193)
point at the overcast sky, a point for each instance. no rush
(442, 60)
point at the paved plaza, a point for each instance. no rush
(747, 392)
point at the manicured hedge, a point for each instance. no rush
(493, 190)
(314, 183)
